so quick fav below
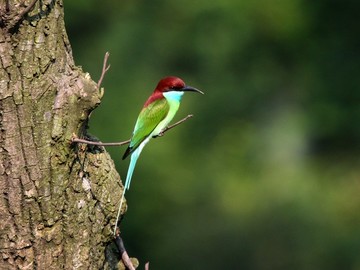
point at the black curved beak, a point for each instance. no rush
(191, 89)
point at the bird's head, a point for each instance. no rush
(174, 84)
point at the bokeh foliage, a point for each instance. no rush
(266, 175)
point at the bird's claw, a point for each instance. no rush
(159, 135)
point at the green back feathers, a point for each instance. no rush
(149, 117)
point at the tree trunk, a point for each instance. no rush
(58, 201)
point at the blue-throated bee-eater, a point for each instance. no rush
(158, 111)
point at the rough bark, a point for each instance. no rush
(58, 201)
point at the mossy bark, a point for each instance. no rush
(58, 201)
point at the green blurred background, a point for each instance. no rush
(267, 173)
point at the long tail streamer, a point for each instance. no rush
(134, 157)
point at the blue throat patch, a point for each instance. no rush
(173, 95)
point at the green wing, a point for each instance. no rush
(147, 121)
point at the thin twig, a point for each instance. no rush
(27, 9)
(174, 125)
(124, 256)
(105, 68)
(77, 140)
(18, 17)
(7, 6)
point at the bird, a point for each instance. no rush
(157, 112)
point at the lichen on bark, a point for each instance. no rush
(58, 200)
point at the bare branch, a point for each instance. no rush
(75, 139)
(174, 125)
(18, 17)
(124, 256)
(7, 6)
(105, 68)
(27, 9)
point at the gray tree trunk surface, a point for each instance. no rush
(58, 201)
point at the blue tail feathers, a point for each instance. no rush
(134, 157)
